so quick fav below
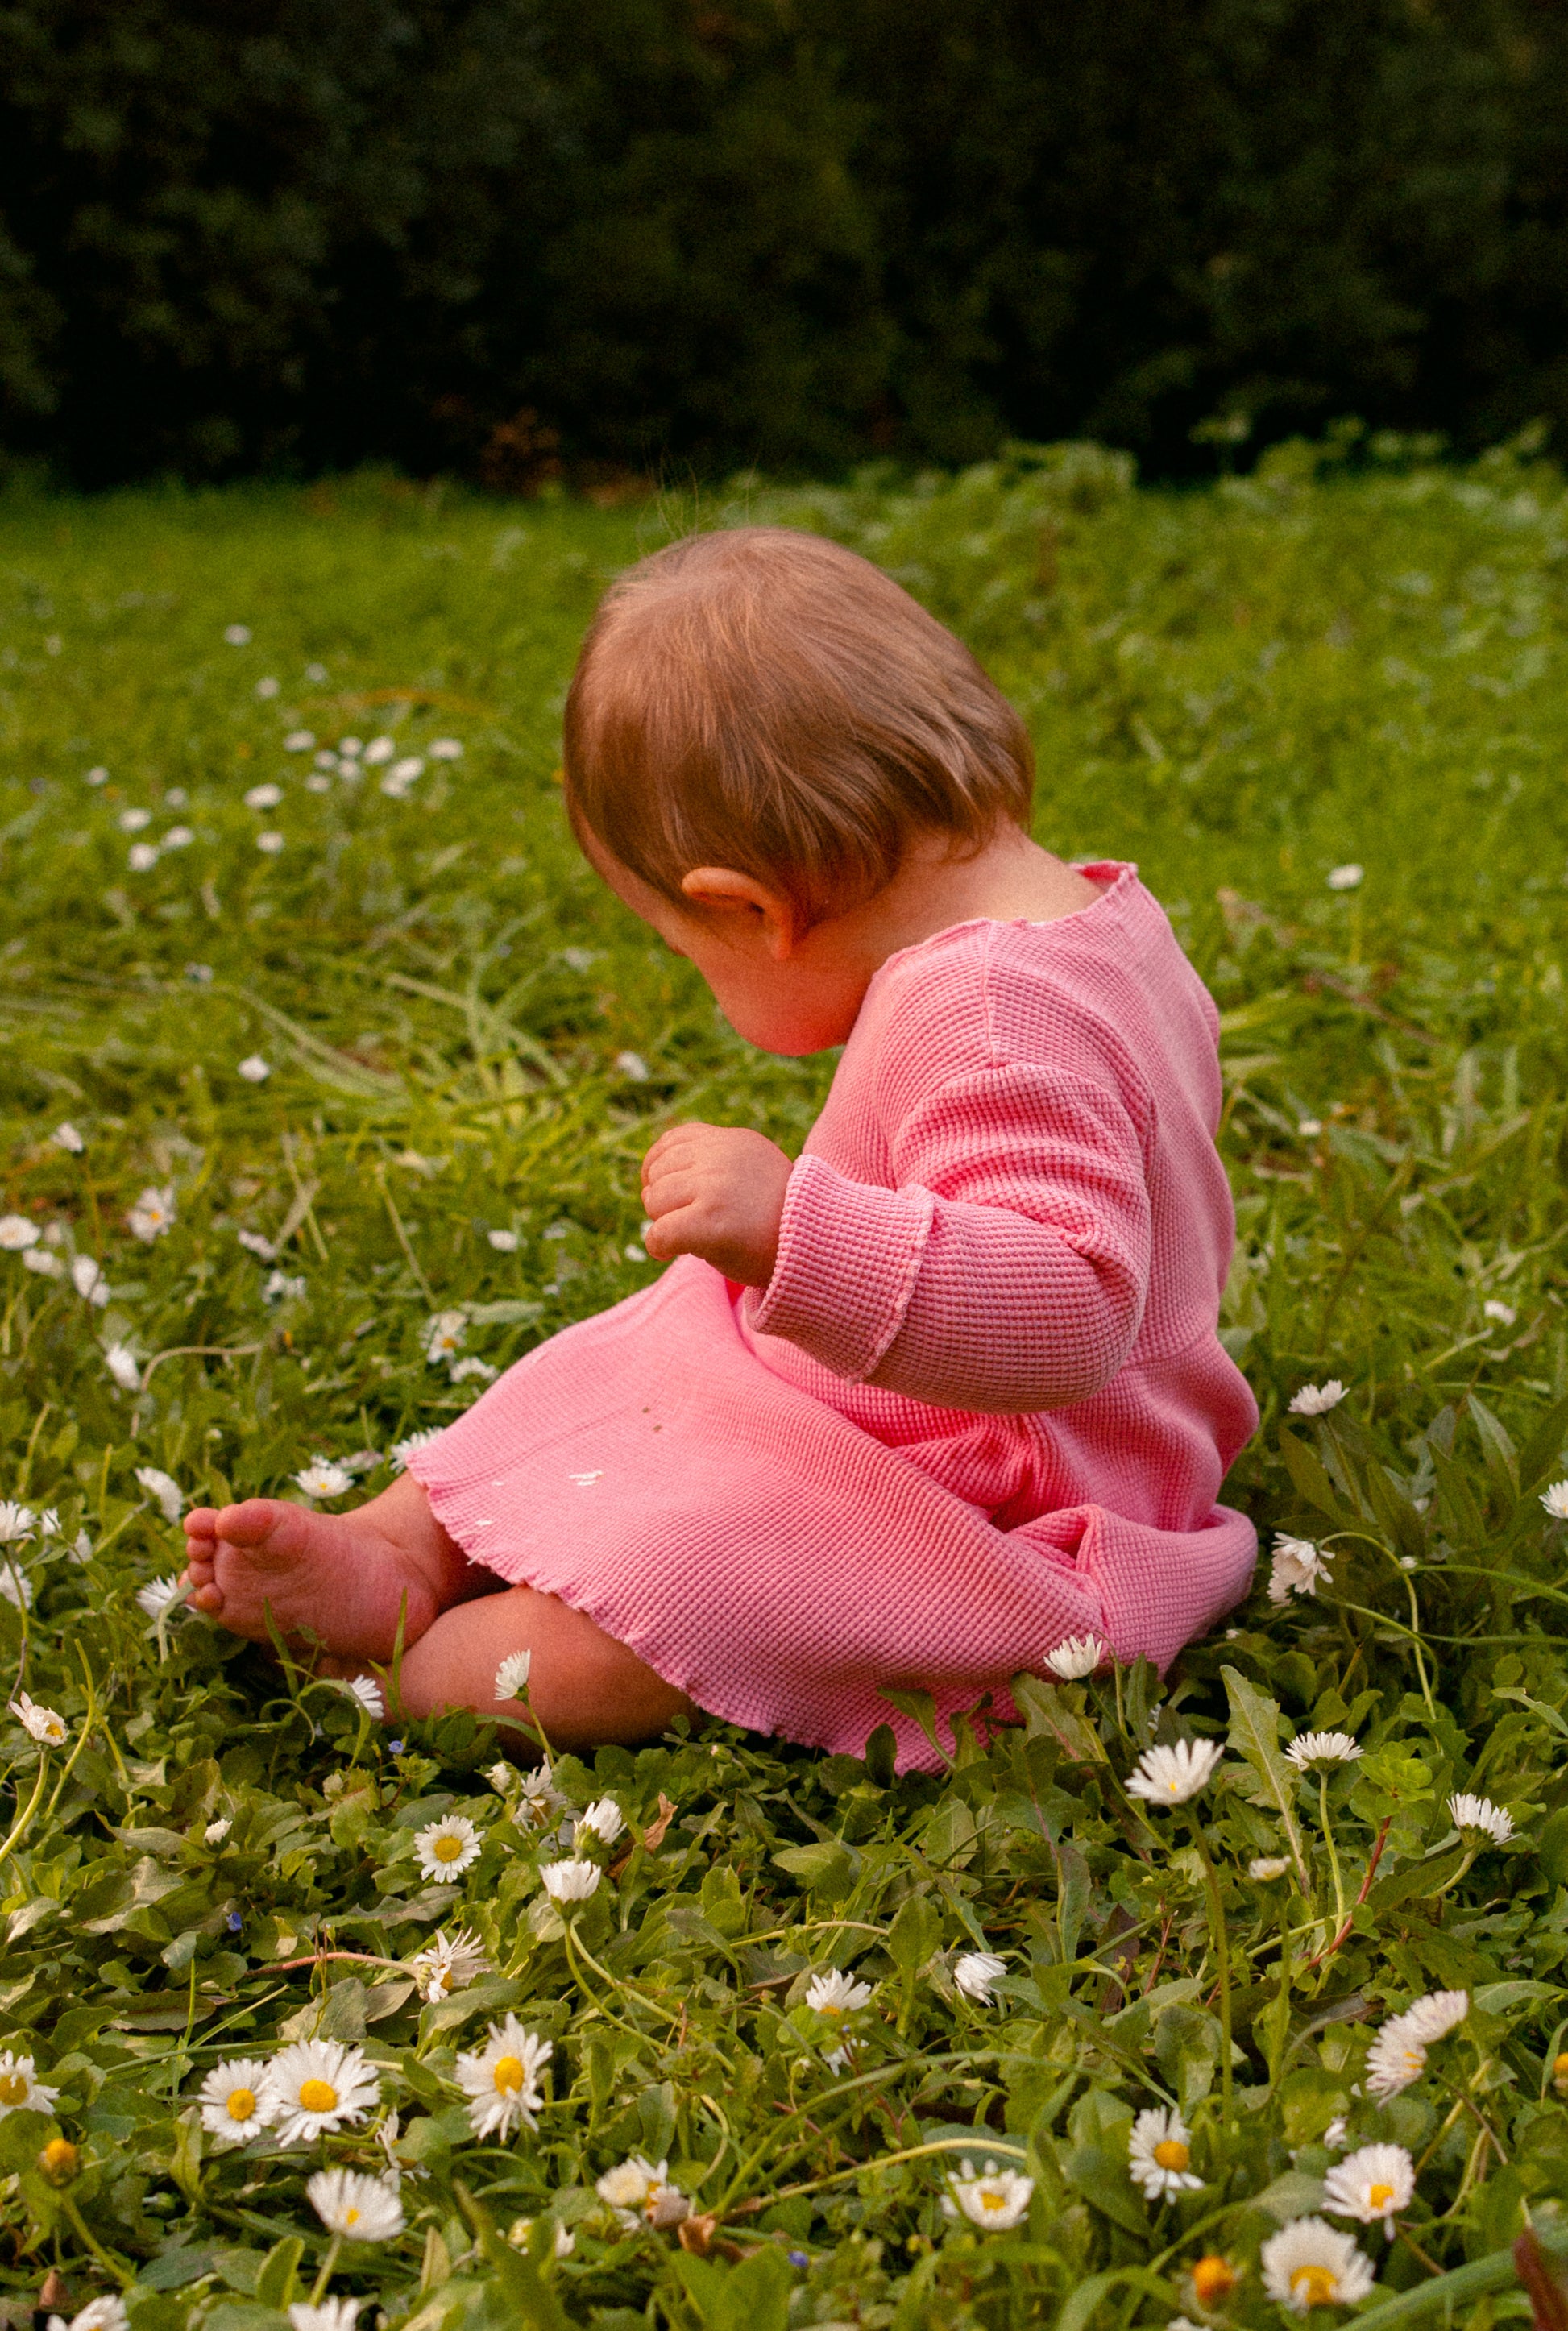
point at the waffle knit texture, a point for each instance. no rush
(981, 1405)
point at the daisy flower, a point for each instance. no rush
(975, 1973)
(322, 1479)
(142, 856)
(632, 1067)
(236, 2105)
(1298, 1568)
(500, 2079)
(299, 740)
(16, 1232)
(1310, 2263)
(218, 1830)
(317, 2085)
(471, 1370)
(327, 2315)
(265, 796)
(1345, 878)
(159, 1595)
(996, 2200)
(255, 1244)
(40, 1260)
(570, 1881)
(1554, 1499)
(66, 1136)
(170, 1497)
(367, 1691)
(444, 1335)
(447, 1847)
(1213, 2279)
(1169, 1776)
(1267, 1867)
(503, 1242)
(449, 1964)
(270, 845)
(512, 1675)
(1321, 1748)
(446, 748)
(362, 2209)
(1316, 1399)
(379, 749)
(105, 2314)
(1435, 2014)
(20, 2088)
(1496, 1309)
(1398, 2056)
(43, 1724)
(87, 1277)
(1337, 2135)
(15, 1586)
(153, 1215)
(278, 1287)
(1467, 1811)
(539, 1800)
(238, 635)
(639, 2191)
(254, 1068)
(121, 1361)
(16, 1522)
(401, 1451)
(602, 1820)
(1076, 1657)
(837, 1993)
(1158, 2153)
(1373, 2183)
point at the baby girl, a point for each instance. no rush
(911, 1409)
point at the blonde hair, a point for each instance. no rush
(769, 701)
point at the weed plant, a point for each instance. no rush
(272, 1107)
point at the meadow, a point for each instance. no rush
(325, 1068)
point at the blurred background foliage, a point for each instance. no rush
(506, 237)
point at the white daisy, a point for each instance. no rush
(44, 1726)
(66, 1136)
(1435, 2014)
(267, 689)
(316, 2085)
(539, 1800)
(105, 2314)
(87, 1277)
(121, 1362)
(1337, 2133)
(1316, 1399)
(327, 2315)
(178, 837)
(350, 747)
(270, 845)
(299, 740)
(363, 2209)
(218, 1830)
(472, 1371)
(266, 796)
(639, 2191)
(1494, 1307)
(1345, 878)
(1467, 1811)
(153, 1215)
(49, 1522)
(444, 1335)
(448, 1846)
(975, 1973)
(1298, 1568)
(164, 1489)
(1373, 2183)
(503, 1242)
(512, 1675)
(238, 635)
(47, 1265)
(1322, 1748)
(1169, 1776)
(1267, 1867)
(16, 1522)
(236, 2105)
(254, 1068)
(159, 1595)
(379, 749)
(132, 820)
(1077, 1656)
(449, 1964)
(367, 1692)
(570, 1881)
(16, 1232)
(15, 1586)
(835, 1993)
(563, 2242)
(20, 2088)
(500, 2079)
(1554, 1499)
(1398, 2056)
(279, 1288)
(602, 1820)
(255, 1244)
(322, 1479)
(1159, 2152)
(401, 1451)
(996, 2201)
(446, 748)
(632, 1067)
(96, 777)
(1310, 2263)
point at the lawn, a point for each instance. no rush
(304, 1047)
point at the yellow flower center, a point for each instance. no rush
(829, 2007)
(1559, 2071)
(12, 2087)
(317, 2097)
(442, 1980)
(240, 2103)
(350, 2217)
(992, 2201)
(1212, 2278)
(1378, 2197)
(507, 2075)
(1315, 2286)
(1171, 2154)
(447, 1849)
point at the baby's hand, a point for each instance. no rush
(717, 1190)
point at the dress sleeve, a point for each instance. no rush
(1005, 1272)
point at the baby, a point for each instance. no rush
(907, 1410)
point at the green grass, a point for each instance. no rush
(1244, 689)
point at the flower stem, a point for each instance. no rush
(1223, 1954)
(328, 2264)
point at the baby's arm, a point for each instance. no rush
(1007, 1270)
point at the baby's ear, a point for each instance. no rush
(742, 904)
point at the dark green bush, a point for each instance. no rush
(493, 234)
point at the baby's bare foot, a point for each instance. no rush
(335, 1580)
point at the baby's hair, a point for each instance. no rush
(767, 700)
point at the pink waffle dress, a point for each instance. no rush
(982, 1404)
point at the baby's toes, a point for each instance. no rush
(208, 1597)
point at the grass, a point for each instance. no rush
(1245, 689)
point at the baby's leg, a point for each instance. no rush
(586, 1688)
(344, 1581)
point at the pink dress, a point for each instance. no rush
(982, 1406)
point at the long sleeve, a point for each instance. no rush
(1006, 1270)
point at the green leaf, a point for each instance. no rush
(1254, 1733)
(828, 1867)
(276, 2284)
(914, 1935)
(1416, 1879)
